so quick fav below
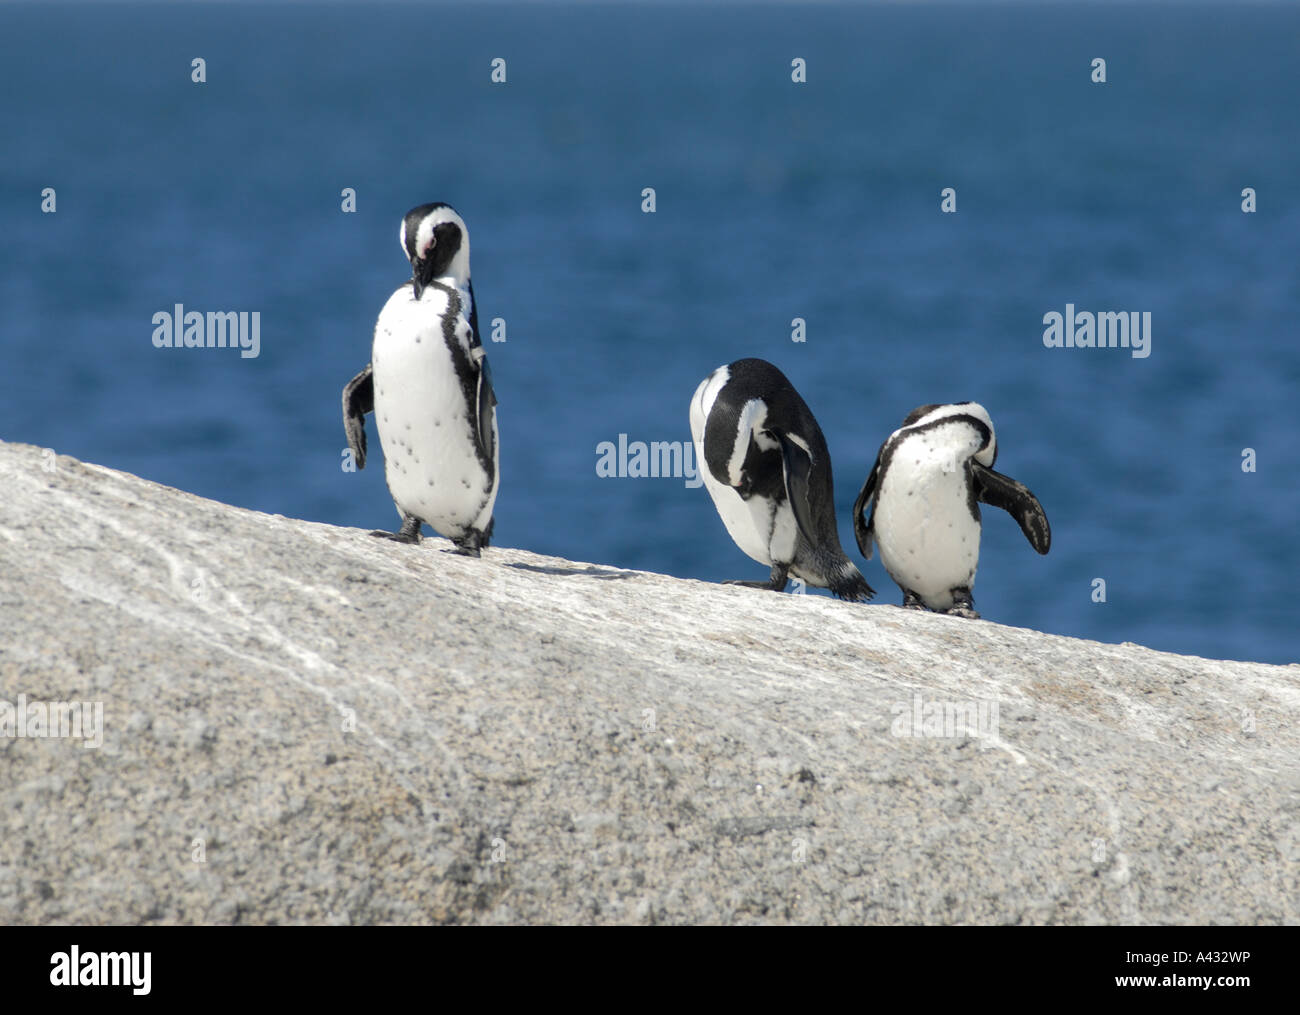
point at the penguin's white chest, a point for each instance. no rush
(929, 541)
(765, 530)
(426, 424)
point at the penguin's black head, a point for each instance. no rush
(919, 413)
(436, 242)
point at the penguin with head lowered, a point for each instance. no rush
(924, 493)
(765, 463)
(429, 387)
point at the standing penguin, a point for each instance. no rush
(765, 464)
(430, 389)
(926, 484)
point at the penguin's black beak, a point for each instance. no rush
(416, 284)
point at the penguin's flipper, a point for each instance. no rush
(862, 526)
(358, 399)
(797, 465)
(1015, 499)
(485, 408)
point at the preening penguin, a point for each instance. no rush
(766, 465)
(924, 493)
(429, 386)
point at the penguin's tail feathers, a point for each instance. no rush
(846, 581)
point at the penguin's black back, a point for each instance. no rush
(786, 411)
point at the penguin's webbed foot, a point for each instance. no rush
(396, 537)
(962, 606)
(911, 601)
(780, 574)
(469, 544)
(408, 533)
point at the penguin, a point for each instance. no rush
(924, 493)
(430, 389)
(765, 463)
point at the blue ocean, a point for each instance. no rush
(1172, 477)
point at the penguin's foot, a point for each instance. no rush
(468, 545)
(776, 583)
(911, 601)
(408, 533)
(396, 537)
(962, 606)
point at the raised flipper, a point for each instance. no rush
(1015, 499)
(862, 526)
(797, 465)
(358, 399)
